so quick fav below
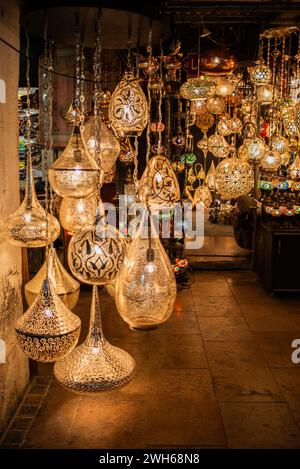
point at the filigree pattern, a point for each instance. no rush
(198, 88)
(159, 184)
(128, 109)
(260, 74)
(145, 289)
(30, 225)
(218, 146)
(95, 366)
(234, 177)
(95, 256)
(48, 330)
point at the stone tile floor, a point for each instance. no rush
(218, 374)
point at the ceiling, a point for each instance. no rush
(264, 12)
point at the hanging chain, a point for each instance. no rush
(149, 50)
(198, 52)
(77, 73)
(298, 60)
(135, 171)
(282, 68)
(81, 87)
(160, 98)
(28, 120)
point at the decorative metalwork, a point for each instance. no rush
(223, 126)
(210, 177)
(266, 94)
(218, 146)
(96, 366)
(65, 286)
(270, 161)
(48, 330)
(96, 254)
(225, 87)
(256, 147)
(109, 147)
(128, 110)
(234, 177)
(216, 104)
(30, 225)
(78, 214)
(204, 121)
(260, 74)
(198, 88)
(146, 286)
(202, 196)
(126, 155)
(294, 169)
(75, 173)
(158, 184)
(279, 144)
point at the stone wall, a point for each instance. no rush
(14, 372)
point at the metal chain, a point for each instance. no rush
(160, 97)
(28, 120)
(77, 72)
(82, 78)
(149, 50)
(282, 68)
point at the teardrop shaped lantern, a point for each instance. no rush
(159, 184)
(145, 289)
(109, 147)
(234, 177)
(30, 225)
(48, 330)
(75, 172)
(95, 366)
(202, 196)
(65, 286)
(96, 253)
(216, 104)
(128, 108)
(77, 214)
(210, 177)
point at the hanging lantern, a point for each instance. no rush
(216, 104)
(105, 97)
(256, 147)
(204, 121)
(202, 196)
(95, 254)
(266, 94)
(30, 225)
(234, 177)
(210, 177)
(218, 146)
(109, 147)
(224, 87)
(290, 127)
(188, 158)
(249, 130)
(235, 125)
(249, 107)
(146, 286)
(198, 106)
(294, 169)
(198, 88)
(243, 151)
(285, 159)
(95, 366)
(179, 140)
(48, 330)
(203, 144)
(75, 172)
(297, 115)
(217, 61)
(270, 161)
(224, 125)
(159, 184)
(279, 144)
(128, 108)
(126, 155)
(77, 214)
(65, 286)
(260, 74)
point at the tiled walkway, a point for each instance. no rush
(217, 374)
